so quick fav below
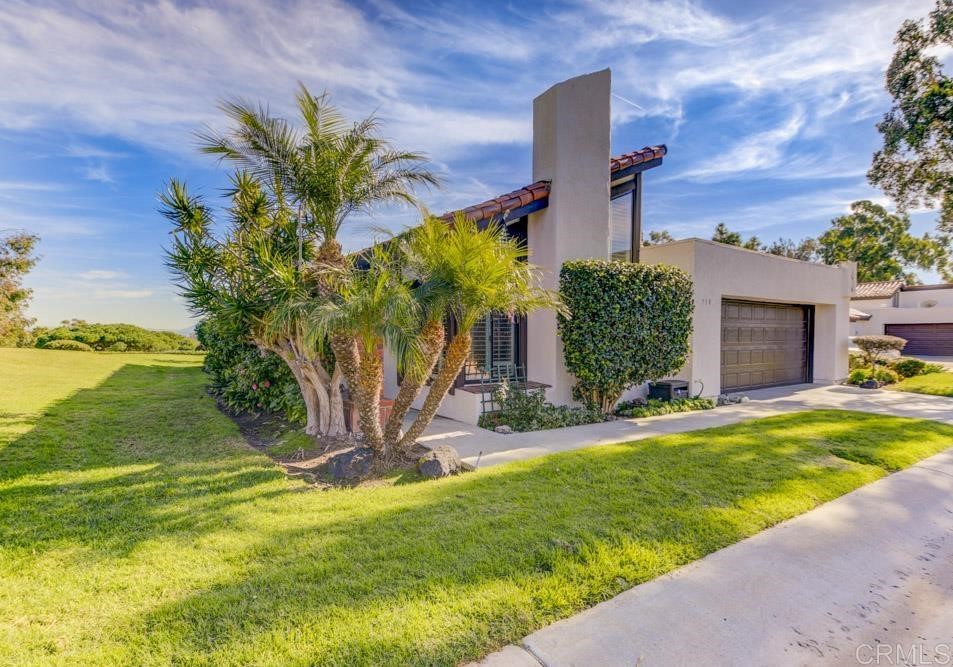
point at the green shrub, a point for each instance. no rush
(886, 376)
(881, 375)
(104, 336)
(858, 376)
(74, 345)
(628, 323)
(932, 368)
(908, 367)
(118, 346)
(246, 379)
(529, 411)
(654, 407)
(856, 360)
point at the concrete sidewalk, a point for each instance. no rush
(873, 567)
(489, 448)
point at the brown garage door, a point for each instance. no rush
(763, 344)
(936, 339)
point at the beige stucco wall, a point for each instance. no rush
(721, 271)
(460, 405)
(916, 298)
(881, 316)
(571, 149)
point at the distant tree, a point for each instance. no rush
(805, 250)
(724, 235)
(915, 165)
(658, 238)
(881, 244)
(17, 257)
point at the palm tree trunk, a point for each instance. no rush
(457, 352)
(431, 343)
(370, 383)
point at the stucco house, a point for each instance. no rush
(760, 320)
(922, 314)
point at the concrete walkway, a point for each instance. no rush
(871, 568)
(476, 444)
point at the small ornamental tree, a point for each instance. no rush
(628, 323)
(875, 346)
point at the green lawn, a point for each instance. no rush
(937, 384)
(137, 528)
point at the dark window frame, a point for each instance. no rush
(632, 188)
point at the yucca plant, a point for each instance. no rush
(241, 277)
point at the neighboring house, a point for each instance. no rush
(760, 320)
(922, 314)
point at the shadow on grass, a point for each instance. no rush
(444, 572)
(143, 455)
(433, 573)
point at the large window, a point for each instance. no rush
(620, 227)
(494, 353)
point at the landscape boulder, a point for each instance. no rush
(353, 464)
(503, 429)
(441, 461)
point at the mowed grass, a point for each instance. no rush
(936, 384)
(136, 527)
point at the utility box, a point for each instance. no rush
(666, 390)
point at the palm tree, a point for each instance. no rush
(374, 305)
(467, 273)
(327, 170)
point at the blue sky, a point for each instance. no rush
(768, 110)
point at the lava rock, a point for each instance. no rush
(870, 384)
(441, 461)
(353, 464)
(504, 429)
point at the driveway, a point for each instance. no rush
(867, 574)
(482, 447)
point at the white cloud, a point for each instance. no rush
(759, 151)
(99, 173)
(101, 274)
(123, 293)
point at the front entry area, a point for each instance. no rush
(764, 344)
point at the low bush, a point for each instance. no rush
(118, 346)
(881, 375)
(246, 379)
(932, 368)
(654, 407)
(74, 345)
(856, 360)
(529, 411)
(908, 367)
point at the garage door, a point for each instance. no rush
(935, 339)
(763, 345)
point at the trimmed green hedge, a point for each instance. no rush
(65, 344)
(628, 324)
(654, 407)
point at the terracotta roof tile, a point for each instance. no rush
(499, 206)
(626, 160)
(883, 289)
